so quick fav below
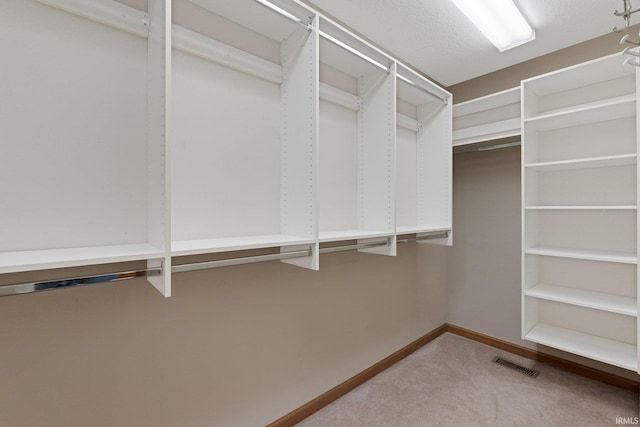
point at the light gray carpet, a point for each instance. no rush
(453, 381)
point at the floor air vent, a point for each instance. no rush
(516, 367)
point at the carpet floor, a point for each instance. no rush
(453, 381)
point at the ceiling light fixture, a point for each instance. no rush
(499, 20)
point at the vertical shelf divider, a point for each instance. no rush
(158, 134)
(299, 177)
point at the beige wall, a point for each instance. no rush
(234, 346)
(483, 287)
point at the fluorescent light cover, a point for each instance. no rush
(499, 20)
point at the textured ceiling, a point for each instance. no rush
(436, 38)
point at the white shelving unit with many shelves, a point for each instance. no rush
(580, 222)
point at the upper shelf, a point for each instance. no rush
(581, 88)
(417, 90)
(275, 22)
(487, 118)
(578, 76)
(349, 54)
(488, 102)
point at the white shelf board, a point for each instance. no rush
(259, 18)
(579, 75)
(413, 95)
(593, 112)
(343, 60)
(607, 256)
(339, 97)
(407, 122)
(226, 244)
(422, 91)
(219, 53)
(487, 132)
(586, 208)
(494, 100)
(597, 300)
(12, 262)
(591, 162)
(604, 350)
(414, 229)
(340, 235)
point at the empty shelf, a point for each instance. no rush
(585, 207)
(11, 262)
(414, 229)
(597, 300)
(486, 132)
(615, 108)
(592, 162)
(226, 244)
(608, 256)
(339, 235)
(488, 102)
(605, 350)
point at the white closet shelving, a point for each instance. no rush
(278, 124)
(84, 123)
(423, 200)
(580, 222)
(487, 118)
(244, 160)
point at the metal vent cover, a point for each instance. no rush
(516, 367)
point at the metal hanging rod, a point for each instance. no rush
(421, 238)
(387, 242)
(182, 268)
(30, 287)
